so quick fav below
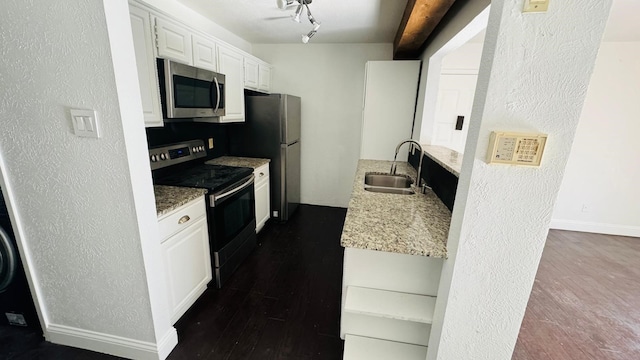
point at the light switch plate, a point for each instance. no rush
(85, 123)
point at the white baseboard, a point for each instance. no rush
(112, 345)
(598, 228)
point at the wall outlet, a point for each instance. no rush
(210, 143)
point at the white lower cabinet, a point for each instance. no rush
(388, 301)
(185, 255)
(262, 194)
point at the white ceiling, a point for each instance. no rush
(354, 21)
(342, 21)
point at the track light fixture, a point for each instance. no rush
(301, 5)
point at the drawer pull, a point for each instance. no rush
(184, 219)
(261, 174)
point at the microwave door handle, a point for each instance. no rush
(215, 80)
(217, 198)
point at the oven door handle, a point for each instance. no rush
(218, 197)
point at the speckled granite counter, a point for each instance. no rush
(415, 224)
(449, 159)
(169, 198)
(239, 161)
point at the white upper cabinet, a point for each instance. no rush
(231, 64)
(204, 53)
(250, 73)
(264, 80)
(159, 35)
(146, 65)
(174, 41)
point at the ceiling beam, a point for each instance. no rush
(419, 19)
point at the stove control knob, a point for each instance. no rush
(154, 158)
(163, 156)
(201, 148)
(194, 149)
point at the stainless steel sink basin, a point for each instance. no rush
(387, 180)
(388, 184)
(388, 190)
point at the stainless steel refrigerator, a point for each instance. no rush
(272, 130)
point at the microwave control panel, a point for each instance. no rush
(516, 148)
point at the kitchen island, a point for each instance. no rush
(395, 246)
(415, 224)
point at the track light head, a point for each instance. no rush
(283, 4)
(296, 17)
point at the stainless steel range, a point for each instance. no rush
(231, 215)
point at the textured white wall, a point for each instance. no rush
(533, 76)
(186, 15)
(73, 195)
(603, 171)
(330, 80)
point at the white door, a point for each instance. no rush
(455, 99)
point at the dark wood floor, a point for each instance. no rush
(585, 302)
(282, 303)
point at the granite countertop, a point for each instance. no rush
(169, 198)
(415, 224)
(449, 159)
(239, 161)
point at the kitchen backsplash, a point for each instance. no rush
(441, 180)
(176, 132)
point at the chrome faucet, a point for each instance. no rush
(393, 164)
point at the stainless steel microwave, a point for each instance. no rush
(188, 93)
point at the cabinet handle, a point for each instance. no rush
(261, 174)
(184, 219)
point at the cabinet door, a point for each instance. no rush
(188, 266)
(204, 53)
(264, 82)
(146, 65)
(263, 203)
(250, 74)
(174, 42)
(231, 64)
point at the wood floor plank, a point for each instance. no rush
(585, 302)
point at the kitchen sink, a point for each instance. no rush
(388, 184)
(388, 190)
(387, 180)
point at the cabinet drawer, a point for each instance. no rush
(261, 174)
(180, 218)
